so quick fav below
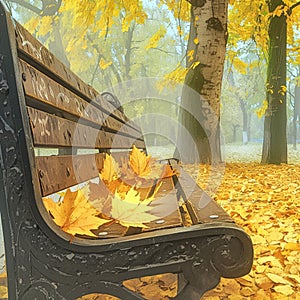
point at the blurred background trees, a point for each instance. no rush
(110, 44)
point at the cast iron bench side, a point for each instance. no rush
(41, 261)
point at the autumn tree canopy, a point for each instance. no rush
(119, 41)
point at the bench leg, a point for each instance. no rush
(185, 290)
(192, 284)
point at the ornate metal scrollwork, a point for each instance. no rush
(4, 88)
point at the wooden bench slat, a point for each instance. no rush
(60, 172)
(202, 208)
(32, 51)
(169, 212)
(50, 130)
(42, 88)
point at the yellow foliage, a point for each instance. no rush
(139, 162)
(40, 26)
(190, 55)
(195, 64)
(131, 211)
(280, 10)
(134, 12)
(240, 65)
(153, 42)
(196, 41)
(74, 214)
(103, 64)
(173, 78)
(262, 110)
(282, 90)
(110, 170)
(179, 8)
(45, 25)
(32, 24)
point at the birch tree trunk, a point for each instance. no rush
(199, 133)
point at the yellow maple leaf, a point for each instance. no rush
(131, 211)
(74, 214)
(110, 169)
(139, 162)
(167, 172)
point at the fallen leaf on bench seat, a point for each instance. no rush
(74, 214)
(110, 170)
(139, 162)
(168, 172)
(131, 211)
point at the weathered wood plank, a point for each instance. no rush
(60, 172)
(167, 207)
(202, 208)
(52, 131)
(40, 57)
(42, 88)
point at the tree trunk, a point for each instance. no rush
(245, 121)
(296, 115)
(199, 131)
(275, 140)
(56, 45)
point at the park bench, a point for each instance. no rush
(43, 105)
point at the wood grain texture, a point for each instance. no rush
(41, 58)
(202, 208)
(52, 131)
(59, 172)
(57, 98)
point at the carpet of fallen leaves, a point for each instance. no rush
(265, 201)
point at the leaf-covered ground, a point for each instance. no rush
(265, 201)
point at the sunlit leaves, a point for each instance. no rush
(110, 169)
(174, 77)
(40, 26)
(264, 200)
(74, 214)
(153, 42)
(139, 162)
(280, 10)
(122, 195)
(262, 110)
(180, 9)
(249, 20)
(104, 64)
(134, 12)
(131, 211)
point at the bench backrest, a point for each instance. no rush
(67, 114)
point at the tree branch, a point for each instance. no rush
(49, 7)
(27, 5)
(162, 50)
(293, 7)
